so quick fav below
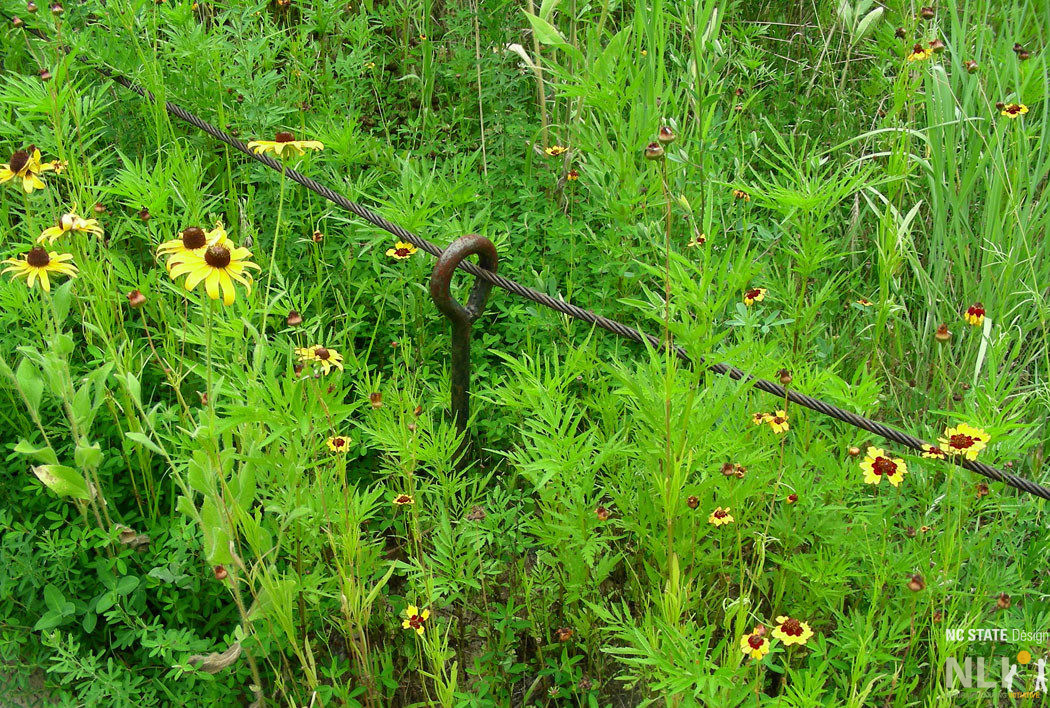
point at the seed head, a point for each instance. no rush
(942, 335)
(136, 299)
(1023, 55)
(283, 137)
(982, 490)
(999, 105)
(654, 151)
(666, 135)
(563, 634)
(376, 399)
(854, 451)
(294, 319)
(1018, 47)
(916, 583)
(728, 469)
(220, 572)
(785, 377)
(937, 46)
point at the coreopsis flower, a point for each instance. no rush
(877, 465)
(555, 150)
(920, 53)
(338, 443)
(36, 265)
(401, 250)
(741, 195)
(933, 452)
(720, 517)
(864, 302)
(1010, 110)
(563, 634)
(572, 175)
(414, 619)
(25, 165)
(974, 314)
(754, 645)
(602, 513)
(964, 440)
(791, 498)
(324, 357)
(753, 295)
(218, 267)
(285, 142)
(925, 529)
(757, 418)
(792, 631)
(778, 422)
(697, 241)
(404, 500)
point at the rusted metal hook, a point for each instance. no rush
(462, 317)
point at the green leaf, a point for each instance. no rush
(141, 439)
(88, 456)
(41, 454)
(545, 32)
(869, 21)
(63, 481)
(61, 299)
(63, 345)
(127, 584)
(30, 383)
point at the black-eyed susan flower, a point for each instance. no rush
(1014, 110)
(325, 357)
(70, 223)
(25, 165)
(753, 295)
(401, 251)
(964, 440)
(338, 443)
(920, 53)
(191, 240)
(974, 314)
(720, 517)
(754, 645)
(404, 500)
(36, 265)
(933, 452)
(877, 464)
(285, 142)
(555, 150)
(218, 267)
(792, 631)
(414, 619)
(741, 195)
(778, 422)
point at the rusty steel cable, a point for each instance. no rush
(566, 308)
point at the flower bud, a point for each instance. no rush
(654, 151)
(294, 319)
(854, 451)
(901, 33)
(220, 572)
(16, 22)
(56, 9)
(937, 46)
(927, 13)
(692, 502)
(728, 468)
(1023, 55)
(376, 399)
(916, 583)
(144, 214)
(1018, 47)
(666, 135)
(31, 6)
(100, 208)
(971, 66)
(791, 498)
(942, 334)
(45, 75)
(136, 299)
(785, 377)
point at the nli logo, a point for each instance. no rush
(965, 675)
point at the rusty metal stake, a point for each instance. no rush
(462, 317)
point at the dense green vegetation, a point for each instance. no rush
(199, 508)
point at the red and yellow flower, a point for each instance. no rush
(414, 619)
(338, 443)
(778, 421)
(964, 440)
(401, 251)
(720, 517)
(792, 631)
(404, 500)
(1014, 110)
(877, 464)
(974, 314)
(754, 645)
(753, 295)
(933, 452)
(920, 53)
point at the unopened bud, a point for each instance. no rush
(942, 334)
(971, 66)
(901, 33)
(45, 75)
(144, 214)
(937, 46)
(220, 572)
(692, 502)
(136, 299)
(666, 136)
(56, 8)
(654, 151)
(1023, 55)
(294, 319)
(100, 208)
(916, 583)
(31, 7)
(854, 451)
(16, 22)
(785, 377)
(927, 13)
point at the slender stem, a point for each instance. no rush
(273, 253)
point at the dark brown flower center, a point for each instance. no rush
(752, 294)
(754, 641)
(19, 160)
(217, 256)
(1013, 109)
(338, 442)
(283, 137)
(415, 621)
(778, 420)
(977, 310)
(37, 257)
(960, 441)
(402, 252)
(194, 238)
(882, 466)
(791, 627)
(322, 353)
(719, 514)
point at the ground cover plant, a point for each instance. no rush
(230, 470)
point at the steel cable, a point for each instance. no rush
(562, 306)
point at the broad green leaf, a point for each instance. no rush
(41, 454)
(88, 456)
(32, 385)
(141, 439)
(545, 32)
(63, 481)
